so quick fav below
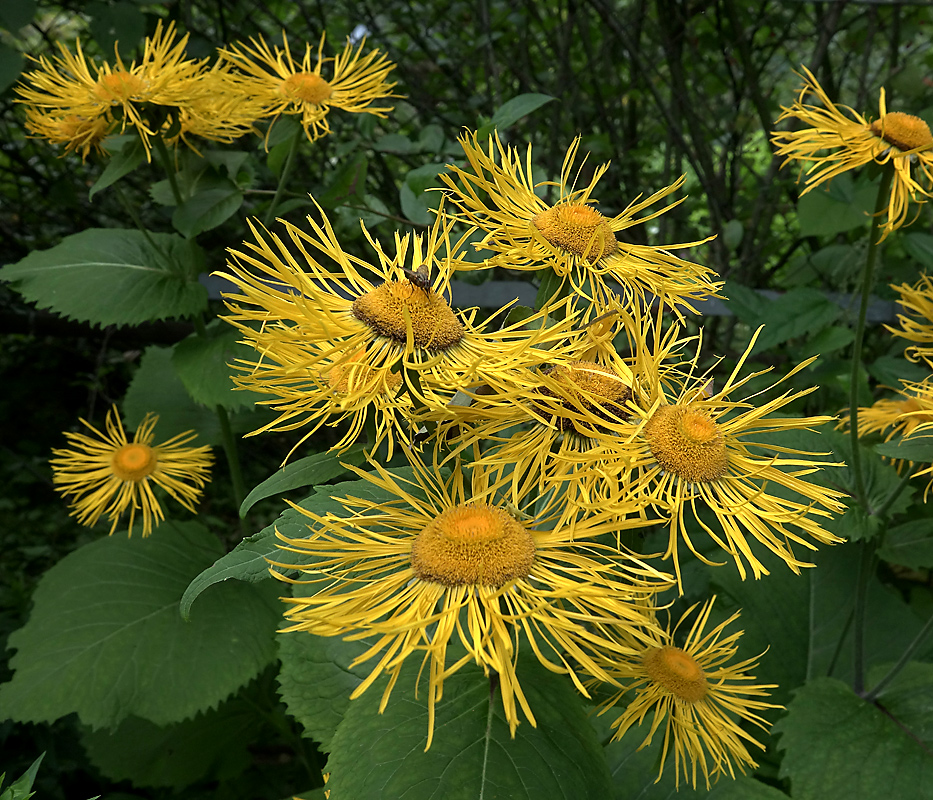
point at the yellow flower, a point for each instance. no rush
(108, 474)
(77, 134)
(284, 86)
(496, 194)
(140, 96)
(697, 698)
(917, 300)
(697, 449)
(315, 325)
(446, 560)
(838, 139)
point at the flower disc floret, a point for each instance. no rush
(389, 309)
(677, 671)
(904, 131)
(688, 442)
(133, 462)
(591, 388)
(119, 86)
(306, 87)
(473, 544)
(577, 229)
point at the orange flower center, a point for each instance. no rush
(587, 388)
(677, 671)
(118, 87)
(473, 545)
(688, 442)
(306, 87)
(133, 462)
(577, 229)
(904, 131)
(393, 307)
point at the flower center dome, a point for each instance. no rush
(473, 545)
(118, 87)
(133, 462)
(688, 442)
(306, 87)
(904, 131)
(389, 309)
(578, 229)
(588, 387)
(677, 671)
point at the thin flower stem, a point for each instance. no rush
(868, 280)
(902, 661)
(866, 562)
(283, 179)
(162, 153)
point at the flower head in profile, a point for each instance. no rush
(340, 336)
(696, 697)
(108, 474)
(442, 562)
(496, 193)
(917, 323)
(697, 449)
(69, 93)
(837, 139)
(352, 81)
(82, 135)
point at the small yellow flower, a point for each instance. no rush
(838, 139)
(696, 697)
(139, 96)
(917, 300)
(78, 134)
(496, 194)
(108, 474)
(284, 86)
(446, 560)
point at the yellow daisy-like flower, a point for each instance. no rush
(917, 300)
(838, 139)
(696, 696)
(695, 450)
(313, 326)
(140, 96)
(78, 134)
(285, 86)
(446, 560)
(496, 194)
(108, 474)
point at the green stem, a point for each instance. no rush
(866, 561)
(166, 161)
(902, 661)
(283, 179)
(868, 279)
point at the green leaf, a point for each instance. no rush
(512, 111)
(837, 745)
(203, 362)
(348, 182)
(798, 312)
(909, 544)
(21, 789)
(212, 745)
(550, 285)
(122, 163)
(473, 755)
(919, 246)
(890, 370)
(207, 209)
(157, 388)
(414, 206)
(16, 14)
(316, 680)
(11, 66)
(908, 448)
(105, 639)
(110, 276)
(114, 23)
(395, 143)
(309, 471)
(837, 207)
(908, 697)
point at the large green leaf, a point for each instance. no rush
(211, 745)
(909, 544)
(207, 208)
(837, 207)
(315, 680)
(203, 364)
(512, 111)
(105, 639)
(110, 276)
(473, 755)
(839, 746)
(21, 788)
(910, 448)
(123, 161)
(909, 698)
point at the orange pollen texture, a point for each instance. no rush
(434, 325)
(306, 87)
(577, 229)
(677, 671)
(475, 545)
(584, 380)
(118, 87)
(133, 462)
(904, 131)
(687, 442)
